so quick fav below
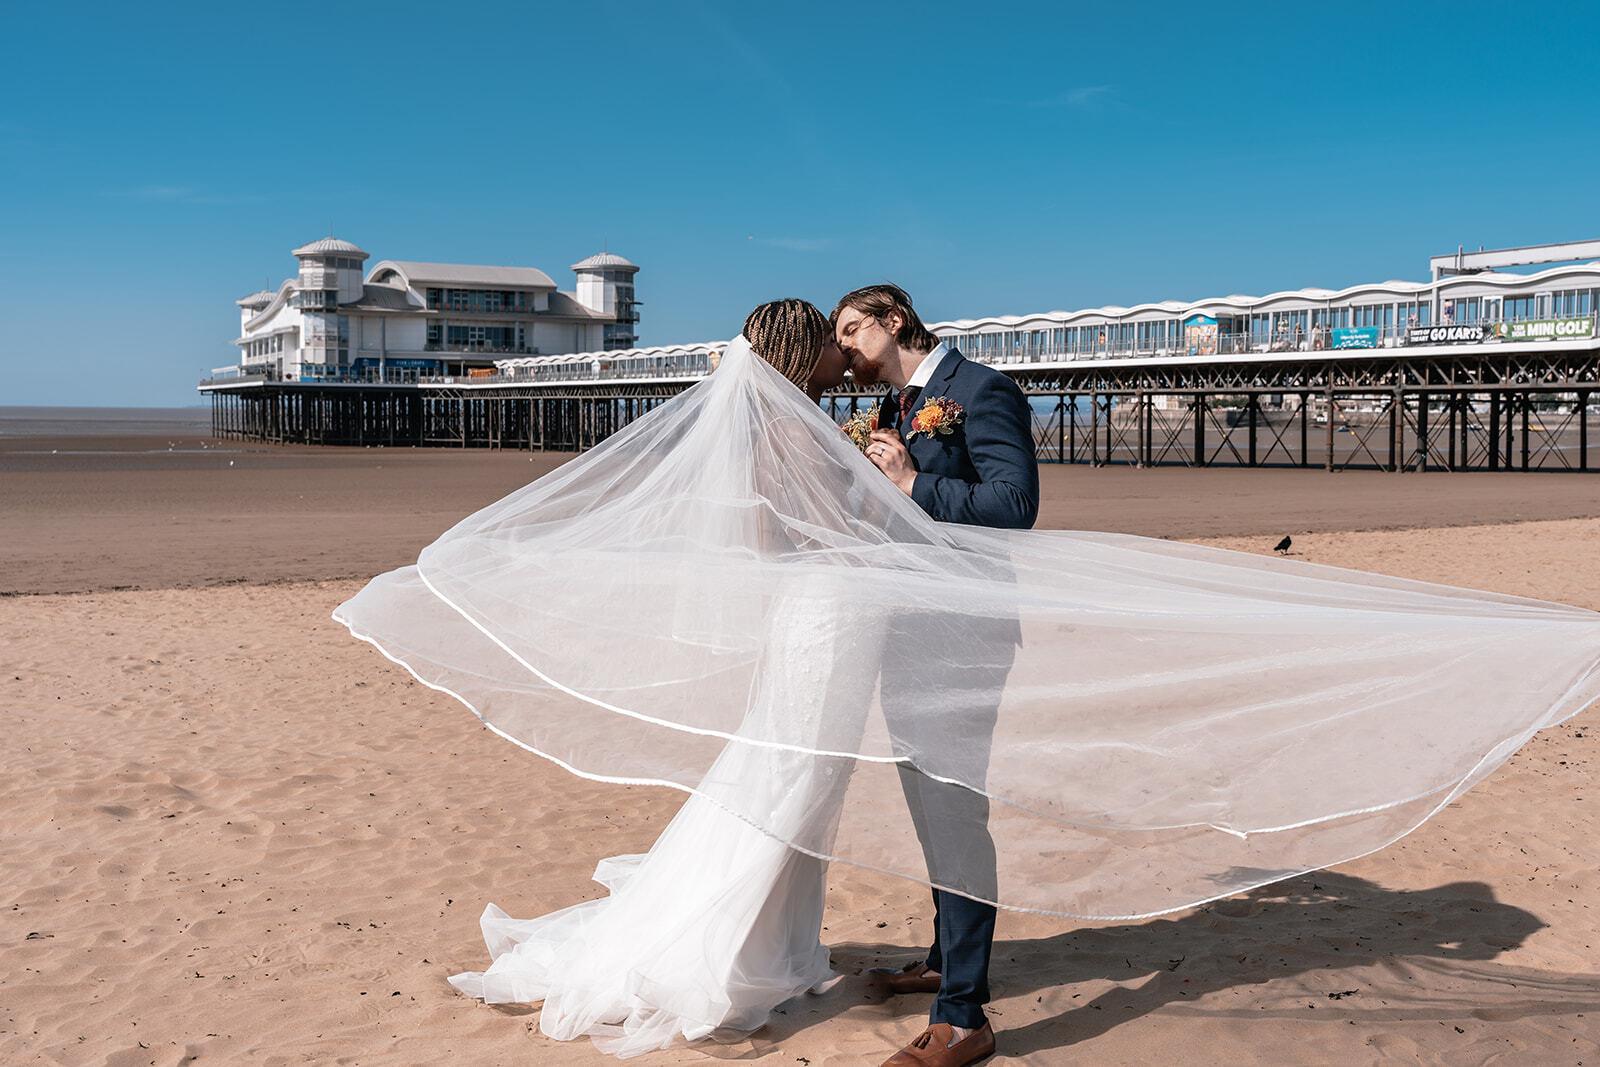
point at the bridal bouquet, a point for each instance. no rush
(859, 427)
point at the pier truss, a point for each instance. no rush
(1485, 407)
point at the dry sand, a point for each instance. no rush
(235, 835)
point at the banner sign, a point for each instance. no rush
(370, 363)
(1547, 329)
(1355, 337)
(1447, 335)
(1200, 335)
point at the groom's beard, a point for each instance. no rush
(863, 373)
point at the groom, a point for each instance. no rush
(971, 461)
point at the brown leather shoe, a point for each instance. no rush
(912, 978)
(932, 1048)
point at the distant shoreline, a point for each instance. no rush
(62, 421)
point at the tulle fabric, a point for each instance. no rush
(1084, 724)
(720, 922)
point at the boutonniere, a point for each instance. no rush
(941, 415)
(859, 427)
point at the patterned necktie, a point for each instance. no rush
(908, 396)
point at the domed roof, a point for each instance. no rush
(330, 246)
(260, 298)
(604, 261)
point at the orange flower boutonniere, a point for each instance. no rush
(938, 416)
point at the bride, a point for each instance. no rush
(720, 921)
(709, 600)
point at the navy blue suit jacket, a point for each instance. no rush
(985, 473)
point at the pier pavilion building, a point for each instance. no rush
(401, 320)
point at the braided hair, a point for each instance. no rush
(790, 335)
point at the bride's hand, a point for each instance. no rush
(888, 453)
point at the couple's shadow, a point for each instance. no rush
(1319, 922)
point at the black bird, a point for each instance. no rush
(1282, 547)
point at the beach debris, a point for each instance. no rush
(1282, 547)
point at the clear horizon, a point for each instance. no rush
(157, 164)
(200, 405)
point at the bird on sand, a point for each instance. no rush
(1282, 547)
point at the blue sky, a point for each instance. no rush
(159, 161)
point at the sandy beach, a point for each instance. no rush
(236, 835)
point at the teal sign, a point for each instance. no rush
(1355, 337)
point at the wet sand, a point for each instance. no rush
(87, 513)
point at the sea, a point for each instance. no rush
(104, 422)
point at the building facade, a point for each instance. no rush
(1488, 307)
(1470, 300)
(337, 320)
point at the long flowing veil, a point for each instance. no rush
(1085, 724)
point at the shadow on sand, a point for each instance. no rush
(1428, 947)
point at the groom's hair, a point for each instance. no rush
(878, 301)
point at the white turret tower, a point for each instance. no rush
(250, 306)
(605, 285)
(330, 274)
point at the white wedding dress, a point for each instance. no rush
(719, 922)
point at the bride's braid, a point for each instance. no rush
(790, 335)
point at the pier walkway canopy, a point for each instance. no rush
(664, 361)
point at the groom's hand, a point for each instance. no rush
(888, 453)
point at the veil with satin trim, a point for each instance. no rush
(1085, 724)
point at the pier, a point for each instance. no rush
(1509, 406)
(1482, 367)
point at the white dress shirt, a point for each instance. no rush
(930, 363)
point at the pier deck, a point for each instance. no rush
(1529, 406)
